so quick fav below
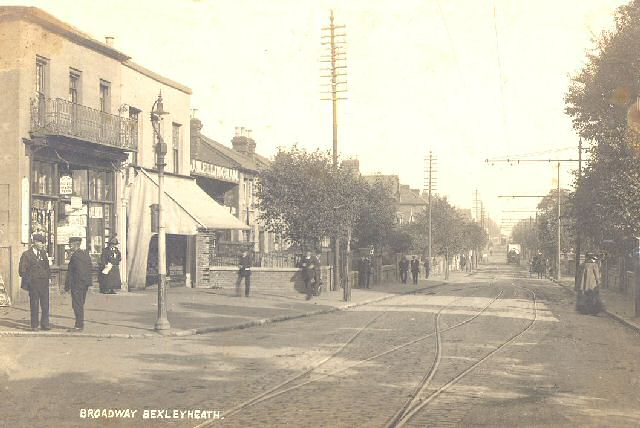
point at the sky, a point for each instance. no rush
(468, 80)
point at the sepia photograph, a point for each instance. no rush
(319, 213)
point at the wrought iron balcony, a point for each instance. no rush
(55, 116)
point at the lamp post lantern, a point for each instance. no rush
(157, 111)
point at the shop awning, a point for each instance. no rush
(188, 203)
(186, 208)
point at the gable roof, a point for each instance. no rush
(218, 154)
(410, 196)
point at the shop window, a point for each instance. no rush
(43, 214)
(43, 178)
(85, 208)
(96, 230)
(80, 183)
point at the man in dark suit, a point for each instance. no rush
(78, 280)
(245, 272)
(35, 273)
(404, 269)
(415, 269)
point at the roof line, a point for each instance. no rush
(158, 78)
(55, 25)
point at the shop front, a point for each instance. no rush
(189, 213)
(73, 193)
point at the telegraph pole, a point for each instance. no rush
(430, 184)
(335, 59)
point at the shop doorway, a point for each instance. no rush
(176, 260)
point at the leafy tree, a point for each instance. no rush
(474, 237)
(447, 230)
(547, 224)
(601, 102)
(377, 217)
(525, 233)
(401, 239)
(293, 193)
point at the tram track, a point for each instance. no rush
(288, 385)
(420, 398)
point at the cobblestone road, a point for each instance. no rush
(566, 370)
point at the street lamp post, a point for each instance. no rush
(157, 111)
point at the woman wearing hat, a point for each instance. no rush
(588, 287)
(109, 276)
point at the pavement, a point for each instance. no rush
(618, 305)
(191, 311)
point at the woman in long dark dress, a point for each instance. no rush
(109, 275)
(588, 287)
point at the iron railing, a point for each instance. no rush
(55, 116)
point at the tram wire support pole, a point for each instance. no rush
(578, 234)
(518, 161)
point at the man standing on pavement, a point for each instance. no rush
(404, 269)
(427, 267)
(245, 272)
(308, 269)
(109, 277)
(35, 273)
(78, 280)
(415, 269)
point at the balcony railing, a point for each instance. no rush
(55, 116)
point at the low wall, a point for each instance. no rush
(262, 279)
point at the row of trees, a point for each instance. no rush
(305, 198)
(602, 101)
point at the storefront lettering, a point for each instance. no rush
(215, 171)
(66, 185)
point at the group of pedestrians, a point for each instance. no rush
(35, 274)
(539, 265)
(414, 265)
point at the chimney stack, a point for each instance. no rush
(109, 40)
(243, 143)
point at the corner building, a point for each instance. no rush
(75, 137)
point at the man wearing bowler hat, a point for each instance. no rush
(109, 275)
(78, 280)
(35, 273)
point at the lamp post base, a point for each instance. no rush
(162, 325)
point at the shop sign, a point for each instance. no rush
(66, 185)
(95, 212)
(78, 220)
(215, 171)
(76, 202)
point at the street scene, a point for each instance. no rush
(319, 214)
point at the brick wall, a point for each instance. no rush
(205, 240)
(262, 279)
